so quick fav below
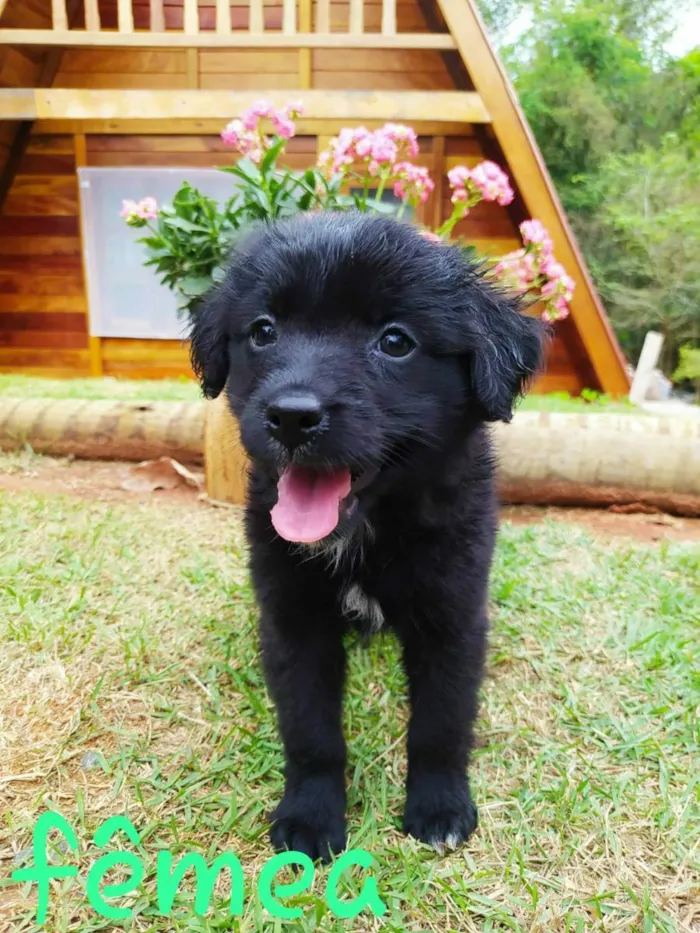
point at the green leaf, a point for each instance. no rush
(195, 285)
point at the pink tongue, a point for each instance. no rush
(308, 503)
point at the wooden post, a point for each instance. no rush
(257, 18)
(648, 359)
(125, 16)
(323, 16)
(356, 17)
(289, 17)
(191, 18)
(92, 16)
(157, 16)
(388, 17)
(225, 461)
(223, 17)
(59, 17)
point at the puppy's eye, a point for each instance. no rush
(395, 343)
(263, 333)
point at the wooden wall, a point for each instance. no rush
(43, 305)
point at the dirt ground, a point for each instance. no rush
(106, 481)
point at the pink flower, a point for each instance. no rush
(535, 233)
(548, 289)
(260, 109)
(492, 182)
(294, 109)
(552, 269)
(130, 209)
(429, 235)
(459, 195)
(403, 137)
(413, 183)
(282, 125)
(383, 148)
(148, 209)
(458, 176)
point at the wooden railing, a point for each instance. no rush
(255, 24)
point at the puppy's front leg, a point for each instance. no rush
(444, 673)
(305, 669)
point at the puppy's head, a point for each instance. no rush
(354, 352)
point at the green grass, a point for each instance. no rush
(174, 390)
(167, 390)
(129, 632)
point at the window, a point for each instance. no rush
(126, 297)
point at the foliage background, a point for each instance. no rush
(617, 117)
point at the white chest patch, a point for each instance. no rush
(358, 605)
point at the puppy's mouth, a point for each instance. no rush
(311, 502)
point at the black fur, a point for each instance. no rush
(420, 538)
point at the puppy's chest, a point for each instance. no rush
(360, 608)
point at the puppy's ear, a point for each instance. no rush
(209, 343)
(506, 350)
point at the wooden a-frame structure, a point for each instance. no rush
(134, 83)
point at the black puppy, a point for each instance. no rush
(362, 361)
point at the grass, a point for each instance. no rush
(129, 684)
(178, 390)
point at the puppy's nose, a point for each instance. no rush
(294, 419)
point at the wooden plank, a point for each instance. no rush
(170, 39)
(197, 127)
(59, 15)
(223, 17)
(289, 17)
(49, 186)
(127, 81)
(125, 18)
(46, 321)
(191, 21)
(61, 104)
(46, 165)
(377, 60)
(39, 245)
(530, 175)
(92, 15)
(305, 26)
(357, 17)
(17, 283)
(60, 304)
(383, 81)
(257, 20)
(38, 358)
(157, 19)
(23, 205)
(248, 61)
(264, 81)
(388, 17)
(55, 339)
(323, 16)
(118, 61)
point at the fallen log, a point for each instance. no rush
(545, 458)
(601, 460)
(104, 430)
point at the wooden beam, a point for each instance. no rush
(305, 26)
(94, 343)
(323, 16)
(256, 23)
(238, 39)
(3, 4)
(531, 177)
(212, 127)
(69, 104)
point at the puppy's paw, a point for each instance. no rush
(444, 819)
(309, 824)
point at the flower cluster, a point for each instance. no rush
(246, 134)
(381, 150)
(533, 269)
(136, 214)
(413, 183)
(485, 182)
(351, 174)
